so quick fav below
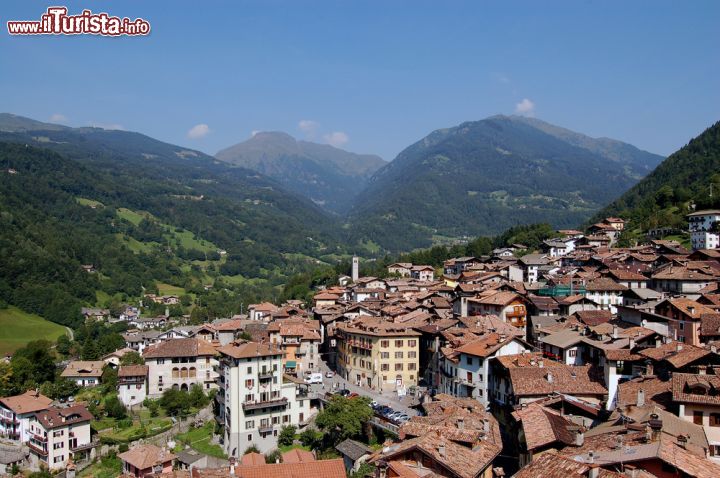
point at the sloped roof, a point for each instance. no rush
(146, 456)
(191, 347)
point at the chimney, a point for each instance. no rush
(549, 377)
(641, 398)
(649, 368)
(691, 309)
(682, 440)
(461, 423)
(655, 426)
(579, 437)
(615, 332)
(591, 457)
(541, 363)
(232, 466)
(713, 349)
(678, 346)
(594, 472)
(382, 467)
(486, 426)
(441, 450)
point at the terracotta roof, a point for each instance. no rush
(710, 324)
(297, 455)
(593, 317)
(658, 392)
(533, 381)
(626, 275)
(245, 349)
(133, 371)
(353, 449)
(681, 273)
(603, 284)
(192, 347)
(544, 426)
(61, 417)
(28, 402)
(310, 469)
(84, 368)
(485, 345)
(675, 353)
(695, 388)
(553, 465)
(146, 456)
(252, 458)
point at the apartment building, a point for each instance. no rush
(299, 341)
(16, 412)
(704, 233)
(180, 364)
(58, 434)
(376, 353)
(254, 401)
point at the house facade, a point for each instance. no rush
(180, 364)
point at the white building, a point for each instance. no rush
(86, 373)
(703, 233)
(179, 364)
(467, 372)
(58, 434)
(16, 412)
(132, 384)
(254, 401)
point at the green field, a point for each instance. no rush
(18, 328)
(167, 289)
(199, 439)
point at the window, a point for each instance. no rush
(411, 366)
(412, 354)
(682, 325)
(398, 355)
(715, 419)
(249, 383)
(275, 420)
(249, 370)
(249, 438)
(385, 343)
(249, 424)
(398, 343)
(249, 397)
(384, 367)
(698, 418)
(412, 343)
(572, 352)
(468, 360)
(714, 450)
(384, 355)
(398, 367)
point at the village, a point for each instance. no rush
(580, 359)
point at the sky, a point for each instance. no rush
(373, 76)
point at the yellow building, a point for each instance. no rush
(378, 354)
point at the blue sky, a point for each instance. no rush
(374, 77)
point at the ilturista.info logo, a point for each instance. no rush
(56, 21)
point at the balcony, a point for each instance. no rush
(265, 429)
(265, 375)
(37, 449)
(276, 402)
(84, 446)
(39, 438)
(9, 420)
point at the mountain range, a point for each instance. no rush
(482, 177)
(329, 176)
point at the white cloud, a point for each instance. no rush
(58, 118)
(525, 107)
(198, 131)
(308, 127)
(336, 138)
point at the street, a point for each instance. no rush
(388, 398)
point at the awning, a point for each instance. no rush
(290, 364)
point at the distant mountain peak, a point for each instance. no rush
(329, 176)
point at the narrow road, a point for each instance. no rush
(71, 334)
(388, 398)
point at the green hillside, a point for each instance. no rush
(17, 328)
(690, 176)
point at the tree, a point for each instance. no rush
(132, 358)
(274, 457)
(33, 365)
(252, 449)
(61, 389)
(287, 435)
(197, 397)
(344, 417)
(114, 408)
(311, 438)
(175, 402)
(109, 379)
(90, 350)
(63, 345)
(152, 405)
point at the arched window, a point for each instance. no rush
(183, 372)
(175, 372)
(193, 372)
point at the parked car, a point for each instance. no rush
(374, 404)
(314, 378)
(329, 374)
(353, 395)
(344, 392)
